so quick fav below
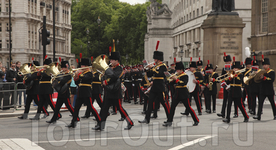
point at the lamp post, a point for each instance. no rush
(126, 58)
(87, 33)
(99, 23)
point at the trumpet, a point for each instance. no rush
(170, 77)
(146, 67)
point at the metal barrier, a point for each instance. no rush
(8, 94)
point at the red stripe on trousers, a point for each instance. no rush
(53, 103)
(192, 109)
(166, 104)
(94, 108)
(244, 109)
(199, 101)
(42, 106)
(122, 110)
(101, 98)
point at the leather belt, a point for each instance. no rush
(81, 84)
(41, 82)
(158, 78)
(181, 86)
(96, 82)
(236, 85)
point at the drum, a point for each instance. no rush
(190, 85)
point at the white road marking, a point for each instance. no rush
(120, 138)
(190, 143)
(18, 144)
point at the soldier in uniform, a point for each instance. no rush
(267, 89)
(181, 94)
(157, 93)
(140, 78)
(199, 64)
(63, 93)
(247, 88)
(210, 90)
(84, 79)
(195, 93)
(255, 87)
(33, 92)
(144, 85)
(128, 83)
(96, 93)
(112, 83)
(235, 94)
(45, 90)
(227, 59)
(135, 83)
(171, 85)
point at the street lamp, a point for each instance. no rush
(126, 58)
(99, 23)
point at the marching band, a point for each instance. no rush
(152, 83)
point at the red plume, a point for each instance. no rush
(77, 60)
(91, 58)
(110, 48)
(252, 62)
(46, 57)
(157, 45)
(198, 58)
(254, 57)
(59, 59)
(80, 55)
(191, 59)
(33, 59)
(103, 56)
(208, 62)
(174, 60)
(241, 63)
(262, 56)
(224, 54)
(234, 58)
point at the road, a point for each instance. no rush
(211, 133)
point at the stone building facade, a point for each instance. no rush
(27, 19)
(184, 29)
(263, 29)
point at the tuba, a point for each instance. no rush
(25, 69)
(100, 64)
(53, 69)
(258, 75)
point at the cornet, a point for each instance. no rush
(146, 67)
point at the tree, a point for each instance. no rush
(122, 21)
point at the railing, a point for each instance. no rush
(8, 94)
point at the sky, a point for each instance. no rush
(133, 1)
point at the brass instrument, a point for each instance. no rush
(170, 77)
(210, 83)
(146, 67)
(101, 64)
(231, 74)
(53, 69)
(251, 76)
(24, 69)
(257, 78)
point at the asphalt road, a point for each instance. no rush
(211, 133)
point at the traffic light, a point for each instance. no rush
(45, 34)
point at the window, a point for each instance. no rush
(197, 12)
(0, 8)
(264, 19)
(0, 27)
(8, 27)
(202, 10)
(0, 44)
(193, 14)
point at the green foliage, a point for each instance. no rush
(119, 20)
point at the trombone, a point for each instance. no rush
(170, 77)
(229, 74)
(71, 71)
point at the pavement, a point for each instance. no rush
(211, 133)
